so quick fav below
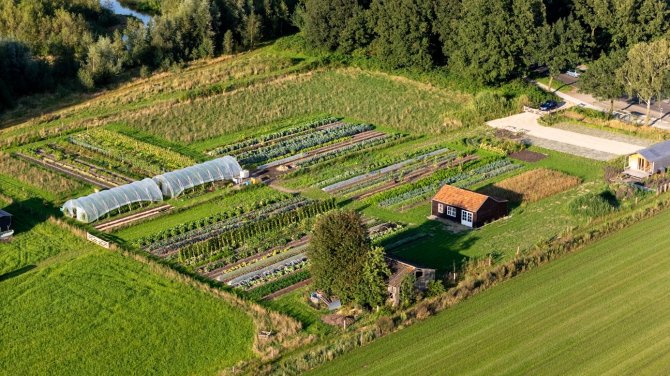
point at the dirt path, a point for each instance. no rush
(528, 124)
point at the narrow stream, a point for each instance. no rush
(119, 9)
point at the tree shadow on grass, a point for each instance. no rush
(433, 244)
(28, 213)
(17, 272)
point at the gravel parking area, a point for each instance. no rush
(585, 145)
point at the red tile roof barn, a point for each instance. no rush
(462, 198)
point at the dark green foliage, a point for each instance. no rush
(435, 288)
(493, 38)
(342, 261)
(601, 79)
(375, 274)
(560, 46)
(404, 33)
(594, 204)
(335, 24)
(20, 72)
(408, 293)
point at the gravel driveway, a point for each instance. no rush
(527, 123)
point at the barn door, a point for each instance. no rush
(466, 218)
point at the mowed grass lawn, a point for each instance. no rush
(94, 312)
(603, 310)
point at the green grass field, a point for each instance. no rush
(90, 311)
(599, 311)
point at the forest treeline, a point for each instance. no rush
(44, 43)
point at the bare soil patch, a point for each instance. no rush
(527, 156)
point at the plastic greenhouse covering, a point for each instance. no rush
(92, 207)
(172, 184)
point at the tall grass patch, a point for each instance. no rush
(532, 186)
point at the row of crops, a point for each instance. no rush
(118, 147)
(255, 142)
(236, 241)
(299, 143)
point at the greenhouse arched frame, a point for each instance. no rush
(174, 183)
(94, 206)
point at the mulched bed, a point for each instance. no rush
(527, 156)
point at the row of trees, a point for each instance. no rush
(46, 43)
(643, 72)
(488, 41)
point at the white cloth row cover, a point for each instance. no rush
(172, 184)
(92, 207)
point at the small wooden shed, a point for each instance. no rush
(651, 160)
(399, 270)
(471, 209)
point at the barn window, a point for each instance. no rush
(451, 211)
(440, 208)
(418, 274)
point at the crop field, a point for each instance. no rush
(532, 185)
(543, 321)
(89, 311)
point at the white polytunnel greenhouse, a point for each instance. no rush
(94, 206)
(172, 184)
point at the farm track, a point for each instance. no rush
(107, 226)
(67, 171)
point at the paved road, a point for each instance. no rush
(660, 114)
(527, 123)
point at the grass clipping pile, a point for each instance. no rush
(532, 185)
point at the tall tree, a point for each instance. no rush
(601, 79)
(560, 46)
(375, 274)
(404, 32)
(492, 41)
(646, 70)
(338, 252)
(325, 20)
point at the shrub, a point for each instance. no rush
(594, 204)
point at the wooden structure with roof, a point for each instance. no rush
(466, 207)
(400, 270)
(648, 161)
(6, 231)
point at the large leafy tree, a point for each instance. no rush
(342, 261)
(560, 46)
(375, 274)
(601, 79)
(326, 23)
(404, 31)
(492, 43)
(646, 70)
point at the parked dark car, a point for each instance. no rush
(548, 105)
